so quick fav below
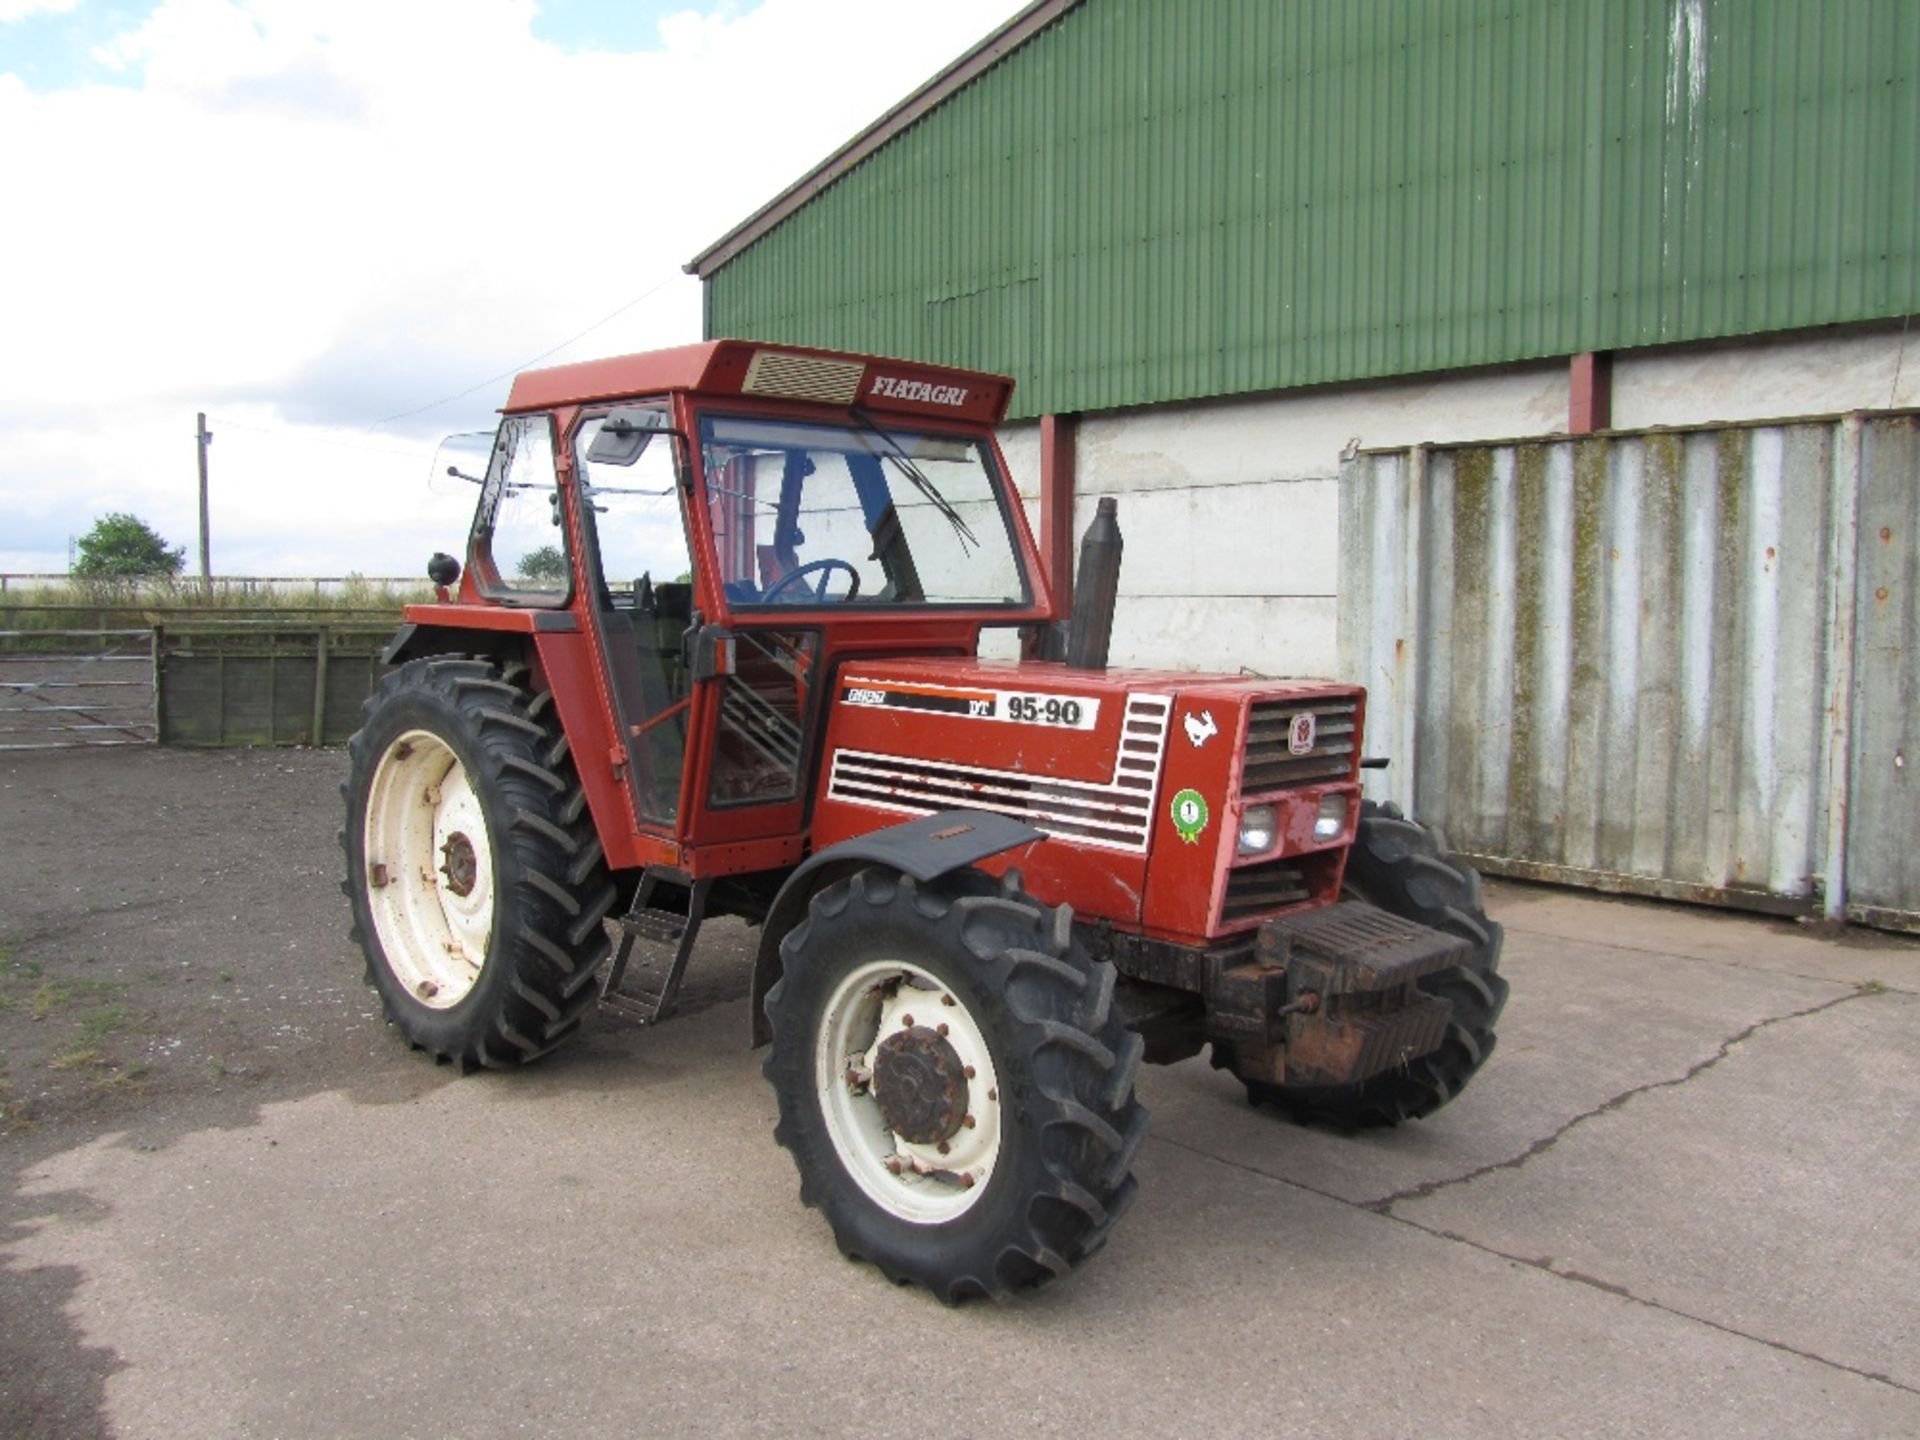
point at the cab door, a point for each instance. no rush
(641, 572)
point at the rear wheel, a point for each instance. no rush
(1404, 868)
(478, 886)
(954, 1084)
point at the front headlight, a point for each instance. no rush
(1332, 818)
(1257, 830)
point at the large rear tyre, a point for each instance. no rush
(478, 885)
(1404, 868)
(954, 1084)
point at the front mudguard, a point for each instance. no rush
(926, 849)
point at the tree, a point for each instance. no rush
(120, 544)
(544, 562)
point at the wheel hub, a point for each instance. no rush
(461, 866)
(430, 870)
(920, 1085)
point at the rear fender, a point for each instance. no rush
(926, 849)
(411, 641)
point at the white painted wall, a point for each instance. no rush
(1773, 378)
(1230, 508)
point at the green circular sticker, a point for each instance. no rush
(1189, 815)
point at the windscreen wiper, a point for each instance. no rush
(924, 485)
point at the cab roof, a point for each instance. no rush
(779, 372)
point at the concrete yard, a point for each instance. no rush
(1681, 1200)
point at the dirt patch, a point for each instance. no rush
(173, 955)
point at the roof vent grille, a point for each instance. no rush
(803, 377)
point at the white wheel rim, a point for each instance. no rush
(879, 999)
(423, 822)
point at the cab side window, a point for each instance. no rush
(636, 515)
(519, 544)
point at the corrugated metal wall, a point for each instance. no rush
(1653, 661)
(1153, 201)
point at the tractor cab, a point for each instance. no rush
(748, 516)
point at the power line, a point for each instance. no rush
(524, 364)
(320, 438)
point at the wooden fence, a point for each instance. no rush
(227, 682)
(263, 683)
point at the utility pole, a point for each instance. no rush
(203, 438)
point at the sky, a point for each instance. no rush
(339, 227)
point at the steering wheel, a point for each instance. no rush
(821, 567)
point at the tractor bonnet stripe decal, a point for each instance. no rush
(1116, 815)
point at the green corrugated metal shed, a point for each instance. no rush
(1136, 201)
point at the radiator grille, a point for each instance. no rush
(1256, 889)
(1271, 766)
(803, 377)
(1117, 815)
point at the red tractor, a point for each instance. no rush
(716, 651)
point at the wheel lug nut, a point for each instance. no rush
(969, 1122)
(994, 1095)
(948, 1000)
(941, 1029)
(942, 1147)
(966, 1180)
(906, 1022)
(969, 1072)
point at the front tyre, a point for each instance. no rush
(478, 885)
(953, 1083)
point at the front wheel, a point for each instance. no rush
(954, 1085)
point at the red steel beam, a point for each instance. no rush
(1590, 392)
(1058, 436)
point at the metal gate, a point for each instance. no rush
(65, 688)
(1677, 663)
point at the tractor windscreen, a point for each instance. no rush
(859, 514)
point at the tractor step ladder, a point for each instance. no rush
(668, 934)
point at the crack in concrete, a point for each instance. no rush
(1545, 1265)
(1384, 1205)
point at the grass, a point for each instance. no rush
(24, 984)
(14, 1114)
(127, 1077)
(25, 987)
(134, 605)
(98, 1026)
(50, 996)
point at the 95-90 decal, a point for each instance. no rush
(1015, 707)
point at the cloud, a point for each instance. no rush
(303, 90)
(12, 10)
(302, 214)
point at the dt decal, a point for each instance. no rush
(1189, 815)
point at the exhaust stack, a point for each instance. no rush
(1095, 590)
